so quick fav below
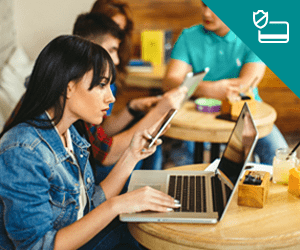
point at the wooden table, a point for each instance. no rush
(275, 226)
(149, 80)
(192, 125)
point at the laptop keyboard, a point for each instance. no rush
(218, 204)
(190, 191)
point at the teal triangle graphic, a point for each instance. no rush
(281, 58)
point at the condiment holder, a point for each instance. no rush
(253, 189)
(232, 107)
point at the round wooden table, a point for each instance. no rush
(192, 125)
(275, 226)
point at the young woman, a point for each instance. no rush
(48, 199)
(110, 139)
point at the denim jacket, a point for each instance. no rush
(39, 186)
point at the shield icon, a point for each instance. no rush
(260, 19)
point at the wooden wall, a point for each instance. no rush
(162, 14)
(273, 91)
(179, 14)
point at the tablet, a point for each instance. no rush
(192, 81)
(162, 126)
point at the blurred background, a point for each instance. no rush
(29, 25)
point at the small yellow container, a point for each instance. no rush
(294, 181)
(233, 108)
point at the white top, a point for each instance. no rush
(69, 148)
(82, 196)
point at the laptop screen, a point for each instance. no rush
(239, 148)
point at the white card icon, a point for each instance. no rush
(273, 31)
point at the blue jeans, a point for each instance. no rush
(266, 146)
(182, 152)
(115, 236)
(153, 162)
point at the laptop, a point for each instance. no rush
(191, 81)
(204, 195)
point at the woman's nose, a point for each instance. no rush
(110, 97)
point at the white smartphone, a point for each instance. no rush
(162, 126)
(192, 81)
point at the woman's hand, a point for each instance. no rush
(144, 199)
(138, 146)
(140, 141)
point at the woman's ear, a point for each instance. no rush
(71, 89)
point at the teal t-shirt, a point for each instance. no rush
(225, 56)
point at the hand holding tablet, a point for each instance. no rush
(192, 81)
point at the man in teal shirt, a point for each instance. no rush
(233, 67)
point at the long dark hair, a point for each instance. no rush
(66, 58)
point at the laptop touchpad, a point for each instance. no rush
(155, 186)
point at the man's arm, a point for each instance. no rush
(175, 74)
(115, 123)
(251, 73)
(121, 141)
